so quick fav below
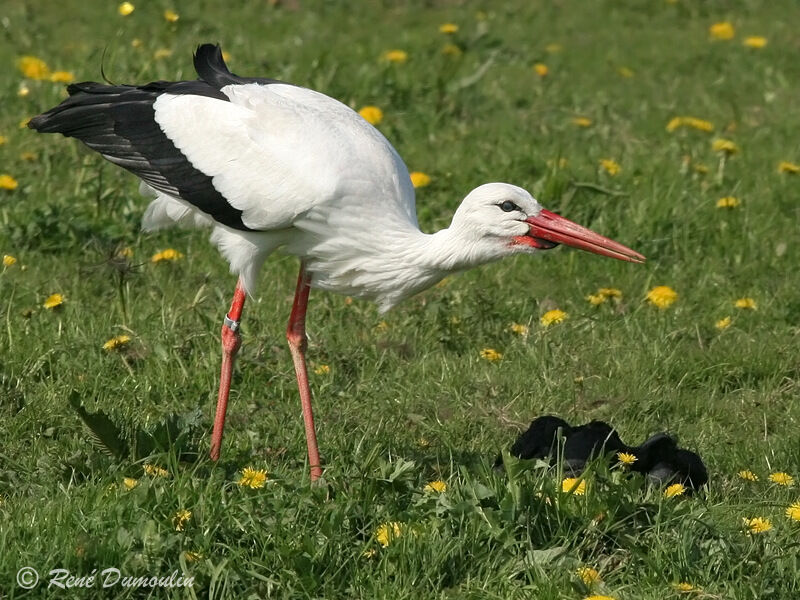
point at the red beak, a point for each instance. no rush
(549, 229)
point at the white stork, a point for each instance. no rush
(267, 164)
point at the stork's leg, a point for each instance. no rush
(296, 334)
(231, 340)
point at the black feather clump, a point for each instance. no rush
(659, 458)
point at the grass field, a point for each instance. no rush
(406, 398)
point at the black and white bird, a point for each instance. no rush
(266, 165)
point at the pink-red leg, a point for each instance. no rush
(231, 341)
(296, 334)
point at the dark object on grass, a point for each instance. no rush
(659, 458)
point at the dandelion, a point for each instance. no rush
(755, 41)
(168, 254)
(130, 483)
(723, 145)
(125, 9)
(322, 370)
(626, 458)
(691, 122)
(747, 475)
(396, 56)
(676, 489)
(595, 299)
(553, 48)
(684, 586)
(746, 303)
(181, 518)
(662, 296)
(788, 167)
(155, 471)
(192, 556)
(448, 28)
(598, 597)
(53, 301)
(625, 72)
(491, 355)
(781, 478)
(33, 67)
(722, 31)
(252, 478)
(519, 329)
(117, 342)
(171, 16)
(700, 168)
(3, 139)
(9, 260)
(162, 53)
(419, 179)
(588, 575)
(757, 525)
(604, 294)
(382, 327)
(226, 56)
(136, 43)
(436, 486)
(451, 50)
(611, 166)
(371, 114)
(23, 90)
(28, 156)
(541, 69)
(723, 323)
(571, 485)
(7, 182)
(387, 532)
(582, 121)
(62, 77)
(126, 252)
(552, 317)
(24, 122)
(793, 511)
(423, 442)
(728, 202)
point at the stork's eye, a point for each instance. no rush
(508, 206)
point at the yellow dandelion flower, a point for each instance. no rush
(28, 156)
(757, 524)
(436, 486)
(519, 329)
(181, 518)
(700, 168)
(553, 48)
(626, 458)
(386, 533)
(793, 511)
(781, 478)
(451, 50)
(588, 575)
(747, 475)
(322, 370)
(62, 77)
(23, 90)
(192, 556)
(755, 41)
(136, 43)
(625, 72)
(611, 166)
(162, 53)
(596, 299)
(723, 323)
(610, 293)
(573, 485)
(746, 303)
(552, 317)
(130, 483)
(423, 442)
(722, 31)
(684, 586)
(126, 252)
(396, 56)
(171, 16)
(598, 597)
(723, 145)
(24, 122)
(788, 167)
(125, 9)
(582, 121)
(382, 327)
(33, 67)
(3, 139)
(728, 202)
(491, 355)
(7, 182)
(253, 478)
(53, 301)
(168, 254)
(691, 122)
(419, 179)
(662, 296)
(371, 114)
(676, 489)
(541, 69)
(448, 28)
(117, 342)
(155, 471)
(9, 260)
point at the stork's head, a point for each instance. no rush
(499, 219)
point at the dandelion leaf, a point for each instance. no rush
(103, 433)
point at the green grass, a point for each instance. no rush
(484, 116)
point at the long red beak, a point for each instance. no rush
(549, 229)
